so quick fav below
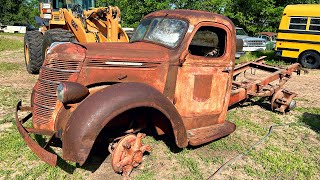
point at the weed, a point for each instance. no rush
(9, 96)
(6, 67)
(9, 44)
(270, 59)
(12, 34)
(284, 164)
(310, 117)
(145, 174)
(190, 163)
(7, 118)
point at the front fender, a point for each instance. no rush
(97, 110)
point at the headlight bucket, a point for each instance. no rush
(71, 92)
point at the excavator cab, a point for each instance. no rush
(69, 4)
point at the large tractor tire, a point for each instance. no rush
(55, 35)
(32, 51)
(310, 59)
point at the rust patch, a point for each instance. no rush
(202, 87)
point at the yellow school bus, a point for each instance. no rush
(299, 34)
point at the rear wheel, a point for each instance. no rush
(310, 59)
(55, 35)
(32, 51)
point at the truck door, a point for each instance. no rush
(204, 79)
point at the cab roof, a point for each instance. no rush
(194, 16)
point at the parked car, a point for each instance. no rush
(250, 43)
(270, 37)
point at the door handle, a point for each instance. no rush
(227, 69)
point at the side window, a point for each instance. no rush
(314, 24)
(265, 37)
(298, 23)
(209, 42)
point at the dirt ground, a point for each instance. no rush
(201, 162)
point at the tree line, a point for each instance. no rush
(252, 15)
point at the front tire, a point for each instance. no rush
(310, 59)
(32, 51)
(55, 35)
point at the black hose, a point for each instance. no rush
(232, 160)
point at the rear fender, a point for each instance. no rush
(91, 116)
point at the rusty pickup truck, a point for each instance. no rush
(176, 76)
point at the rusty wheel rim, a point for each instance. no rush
(127, 153)
(119, 152)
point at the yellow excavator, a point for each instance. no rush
(70, 21)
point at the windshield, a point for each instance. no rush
(85, 4)
(163, 30)
(241, 32)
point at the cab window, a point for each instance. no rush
(208, 42)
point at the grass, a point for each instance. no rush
(10, 44)
(310, 117)
(283, 164)
(19, 162)
(12, 34)
(9, 96)
(7, 67)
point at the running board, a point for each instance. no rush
(206, 134)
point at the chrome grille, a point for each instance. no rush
(255, 44)
(52, 73)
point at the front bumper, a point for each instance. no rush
(41, 152)
(250, 49)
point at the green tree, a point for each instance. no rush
(18, 11)
(255, 15)
(132, 11)
(217, 6)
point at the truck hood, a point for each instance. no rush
(248, 38)
(137, 51)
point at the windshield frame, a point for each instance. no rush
(183, 34)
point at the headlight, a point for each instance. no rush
(245, 43)
(71, 92)
(60, 92)
(53, 45)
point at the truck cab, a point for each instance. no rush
(174, 77)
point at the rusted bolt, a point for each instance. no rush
(126, 145)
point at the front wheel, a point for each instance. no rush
(32, 51)
(310, 59)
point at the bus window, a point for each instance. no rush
(298, 23)
(314, 24)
